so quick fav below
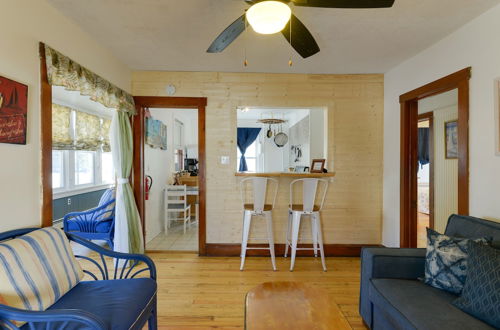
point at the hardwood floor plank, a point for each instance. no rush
(209, 292)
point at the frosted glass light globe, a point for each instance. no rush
(268, 17)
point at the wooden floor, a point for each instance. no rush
(208, 292)
(422, 224)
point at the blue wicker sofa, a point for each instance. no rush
(123, 297)
(392, 297)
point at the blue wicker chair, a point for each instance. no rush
(94, 224)
(116, 298)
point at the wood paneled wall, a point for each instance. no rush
(353, 208)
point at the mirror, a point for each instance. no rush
(280, 139)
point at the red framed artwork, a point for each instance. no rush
(13, 111)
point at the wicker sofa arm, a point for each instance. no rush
(48, 317)
(387, 263)
(127, 265)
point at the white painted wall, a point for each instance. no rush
(445, 171)
(476, 44)
(317, 128)
(157, 164)
(24, 23)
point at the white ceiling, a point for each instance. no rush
(174, 34)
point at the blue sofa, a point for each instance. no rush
(392, 297)
(122, 298)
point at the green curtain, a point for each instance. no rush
(128, 229)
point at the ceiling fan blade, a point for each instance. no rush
(302, 40)
(228, 35)
(345, 3)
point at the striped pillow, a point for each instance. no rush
(37, 269)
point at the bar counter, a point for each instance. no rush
(287, 175)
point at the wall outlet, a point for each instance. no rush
(69, 201)
(224, 160)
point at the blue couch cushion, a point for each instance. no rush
(411, 304)
(481, 294)
(118, 303)
(101, 227)
(470, 227)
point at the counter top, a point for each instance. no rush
(287, 174)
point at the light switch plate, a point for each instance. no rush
(224, 160)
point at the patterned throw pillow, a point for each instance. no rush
(481, 294)
(37, 269)
(446, 261)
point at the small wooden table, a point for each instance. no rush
(291, 305)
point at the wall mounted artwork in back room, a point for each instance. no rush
(13, 111)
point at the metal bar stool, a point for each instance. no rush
(311, 208)
(253, 195)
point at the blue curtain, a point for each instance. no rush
(246, 136)
(423, 146)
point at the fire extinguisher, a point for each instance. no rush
(148, 183)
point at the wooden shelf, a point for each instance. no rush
(287, 175)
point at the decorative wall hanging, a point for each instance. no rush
(156, 134)
(13, 111)
(451, 139)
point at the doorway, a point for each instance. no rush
(420, 107)
(425, 176)
(185, 166)
(171, 170)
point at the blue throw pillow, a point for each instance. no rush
(481, 294)
(446, 261)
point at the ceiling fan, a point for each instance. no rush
(271, 16)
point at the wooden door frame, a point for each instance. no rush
(45, 140)
(409, 134)
(144, 102)
(430, 117)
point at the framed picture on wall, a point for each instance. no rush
(497, 116)
(451, 139)
(13, 111)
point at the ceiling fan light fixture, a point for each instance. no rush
(268, 17)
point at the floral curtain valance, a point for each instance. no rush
(88, 132)
(62, 71)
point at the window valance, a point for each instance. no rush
(77, 130)
(62, 71)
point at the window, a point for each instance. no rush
(84, 167)
(107, 169)
(57, 169)
(250, 157)
(81, 157)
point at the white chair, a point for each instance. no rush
(310, 205)
(253, 194)
(176, 202)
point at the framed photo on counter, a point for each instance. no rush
(317, 166)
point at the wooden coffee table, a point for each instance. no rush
(291, 305)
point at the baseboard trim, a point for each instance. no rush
(331, 250)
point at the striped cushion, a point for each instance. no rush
(37, 269)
